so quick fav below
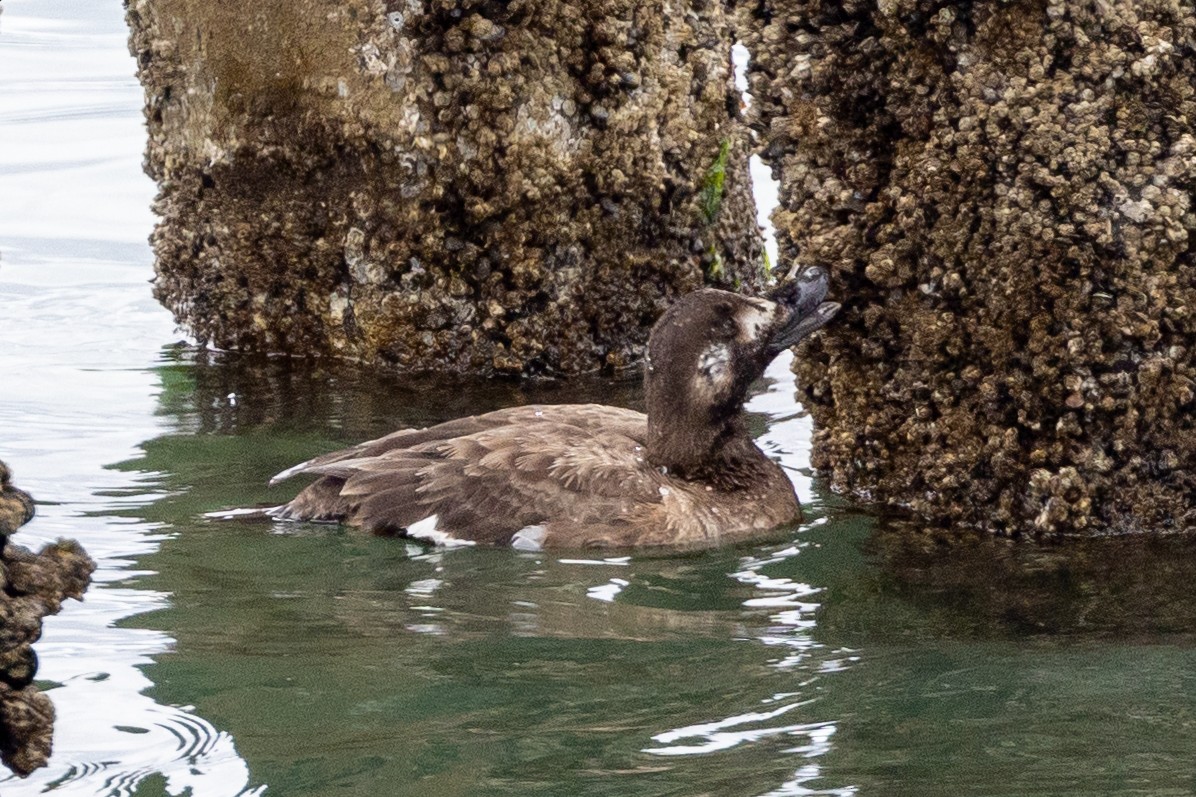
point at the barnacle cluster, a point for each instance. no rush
(31, 587)
(448, 185)
(1003, 192)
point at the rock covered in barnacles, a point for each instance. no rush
(26, 728)
(1003, 192)
(31, 587)
(467, 186)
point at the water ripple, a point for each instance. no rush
(796, 786)
(196, 736)
(724, 734)
(79, 327)
(188, 751)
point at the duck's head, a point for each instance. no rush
(705, 352)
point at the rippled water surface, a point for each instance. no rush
(239, 658)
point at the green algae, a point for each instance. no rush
(714, 183)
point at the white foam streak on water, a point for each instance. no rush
(751, 727)
(796, 786)
(611, 561)
(790, 434)
(609, 591)
(79, 332)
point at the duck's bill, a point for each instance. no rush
(800, 326)
(802, 293)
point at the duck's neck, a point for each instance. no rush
(715, 451)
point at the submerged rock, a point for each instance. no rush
(31, 587)
(453, 186)
(1003, 192)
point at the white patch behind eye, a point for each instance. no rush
(714, 362)
(754, 318)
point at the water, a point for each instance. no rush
(237, 658)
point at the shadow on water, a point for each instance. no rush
(235, 393)
(1129, 589)
(989, 666)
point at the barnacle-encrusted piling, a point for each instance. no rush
(465, 186)
(31, 587)
(1003, 191)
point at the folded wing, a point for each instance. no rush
(486, 478)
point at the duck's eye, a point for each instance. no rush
(724, 326)
(726, 329)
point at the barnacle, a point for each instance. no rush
(470, 187)
(1002, 192)
(31, 587)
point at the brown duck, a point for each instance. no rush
(686, 475)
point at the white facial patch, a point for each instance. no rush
(426, 530)
(754, 318)
(714, 362)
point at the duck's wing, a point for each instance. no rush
(403, 438)
(591, 417)
(517, 473)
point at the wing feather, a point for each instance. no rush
(487, 477)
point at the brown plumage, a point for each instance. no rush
(685, 475)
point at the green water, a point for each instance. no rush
(846, 659)
(233, 658)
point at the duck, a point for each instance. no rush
(684, 475)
